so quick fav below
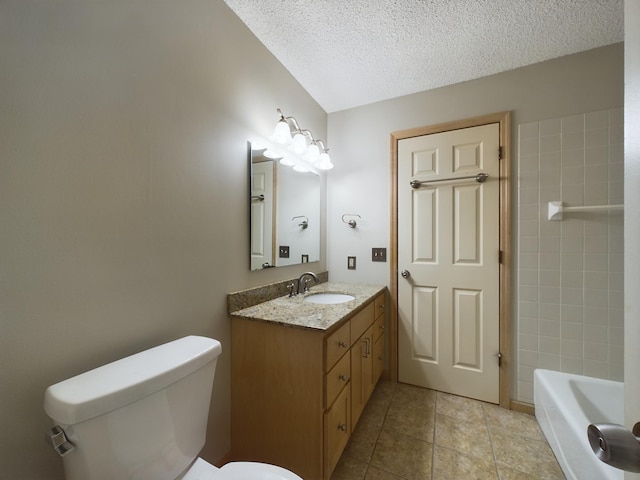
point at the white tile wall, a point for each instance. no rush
(570, 272)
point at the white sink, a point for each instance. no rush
(329, 298)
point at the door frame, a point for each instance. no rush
(504, 121)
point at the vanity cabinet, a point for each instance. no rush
(296, 393)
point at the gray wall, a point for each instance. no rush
(123, 192)
(360, 183)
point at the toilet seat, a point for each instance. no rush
(202, 470)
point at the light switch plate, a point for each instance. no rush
(378, 254)
(283, 251)
(351, 263)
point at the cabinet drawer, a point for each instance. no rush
(361, 321)
(337, 428)
(336, 345)
(336, 379)
(379, 305)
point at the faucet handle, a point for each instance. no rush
(293, 291)
(307, 281)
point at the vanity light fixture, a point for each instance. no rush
(314, 152)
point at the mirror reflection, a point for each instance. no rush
(284, 213)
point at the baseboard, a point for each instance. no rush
(522, 407)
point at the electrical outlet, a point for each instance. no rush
(283, 251)
(351, 263)
(305, 258)
(378, 254)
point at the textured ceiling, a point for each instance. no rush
(347, 53)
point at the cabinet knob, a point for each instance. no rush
(342, 427)
(342, 344)
(343, 377)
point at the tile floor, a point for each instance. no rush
(412, 433)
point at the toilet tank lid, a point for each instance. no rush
(129, 379)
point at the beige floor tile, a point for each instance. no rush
(525, 455)
(403, 455)
(396, 434)
(349, 468)
(417, 397)
(416, 421)
(460, 407)
(451, 465)
(470, 438)
(507, 473)
(376, 408)
(363, 441)
(374, 473)
(517, 423)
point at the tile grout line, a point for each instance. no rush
(433, 439)
(375, 444)
(493, 452)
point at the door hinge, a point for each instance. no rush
(499, 256)
(500, 152)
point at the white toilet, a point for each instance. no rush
(144, 417)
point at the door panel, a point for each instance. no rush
(261, 215)
(448, 239)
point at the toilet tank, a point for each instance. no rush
(143, 417)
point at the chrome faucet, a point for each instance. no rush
(303, 283)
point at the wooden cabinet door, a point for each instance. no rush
(378, 359)
(361, 373)
(337, 429)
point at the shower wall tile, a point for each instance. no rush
(570, 273)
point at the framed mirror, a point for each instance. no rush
(284, 213)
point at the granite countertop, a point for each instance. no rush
(295, 312)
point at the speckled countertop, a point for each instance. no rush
(296, 312)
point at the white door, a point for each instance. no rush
(448, 248)
(261, 215)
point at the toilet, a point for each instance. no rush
(144, 417)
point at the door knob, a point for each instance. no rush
(405, 273)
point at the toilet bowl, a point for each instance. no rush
(144, 417)
(202, 470)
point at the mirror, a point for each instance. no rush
(284, 213)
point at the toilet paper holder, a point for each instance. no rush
(615, 445)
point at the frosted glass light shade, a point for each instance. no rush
(282, 133)
(324, 162)
(300, 168)
(299, 143)
(313, 153)
(287, 161)
(271, 154)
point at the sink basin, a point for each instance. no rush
(329, 298)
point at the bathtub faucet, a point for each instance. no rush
(615, 445)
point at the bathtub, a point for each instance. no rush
(565, 405)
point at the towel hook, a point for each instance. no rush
(305, 222)
(352, 223)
